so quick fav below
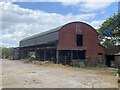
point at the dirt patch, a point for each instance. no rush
(39, 74)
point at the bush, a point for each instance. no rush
(118, 80)
(6, 52)
(118, 71)
(79, 62)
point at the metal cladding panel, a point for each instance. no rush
(47, 38)
(16, 53)
(44, 33)
(28, 42)
(41, 38)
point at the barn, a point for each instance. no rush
(72, 41)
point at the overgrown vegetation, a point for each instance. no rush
(118, 72)
(6, 52)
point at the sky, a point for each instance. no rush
(22, 19)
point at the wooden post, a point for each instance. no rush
(65, 59)
(71, 58)
(71, 55)
(36, 54)
(44, 53)
(57, 56)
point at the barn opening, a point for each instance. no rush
(66, 56)
(40, 54)
(79, 40)
(51, 54)
(32, 54)
(79, 54)
(109, 60)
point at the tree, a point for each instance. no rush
(6, 52)
(114, 39)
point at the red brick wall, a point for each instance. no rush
(91, 41)
(67, 38)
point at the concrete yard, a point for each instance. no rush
(16, 74)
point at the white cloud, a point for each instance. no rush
(94, 6)
(63, 1)
(96, 23)
(89, 5)
(84, 5)
(18, 23)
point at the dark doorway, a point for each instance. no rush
(79, 40)
(51, 54)
(40, 54)
(79, 54)
(65, 56)
(109, 59)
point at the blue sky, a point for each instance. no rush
(23, 19)
(58, 7)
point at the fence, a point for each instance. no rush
(66, 60)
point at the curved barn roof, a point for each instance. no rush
(46, 37)
(53, 30)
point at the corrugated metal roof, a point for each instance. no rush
(52, 30)
(43, 33)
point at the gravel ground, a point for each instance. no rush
(17, 74)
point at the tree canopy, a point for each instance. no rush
(114, 39)
(6, 52)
